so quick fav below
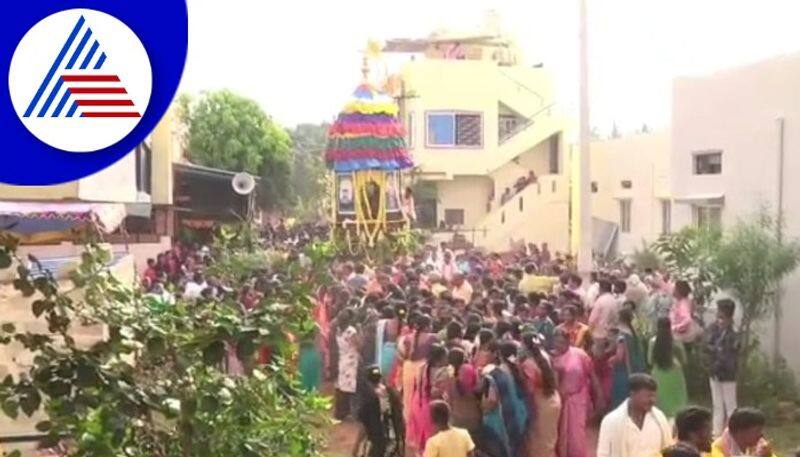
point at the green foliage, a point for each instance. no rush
(764, 385)
(310, 177)
(154, 386)
(690, 255)
(751, 260)
(225, 130)
(646, 257)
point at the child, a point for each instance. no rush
(447, 441)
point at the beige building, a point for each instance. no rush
(480, 125)
(631, 190)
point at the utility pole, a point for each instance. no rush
(776, 350)
(584, 213)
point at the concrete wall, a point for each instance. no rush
(474, 87)
(470, 193)
(736, 111)
(116, 183)
(166, 150)
(543, 217)
(14, 359)
(140, 252)
(644, 160)
(536, 158)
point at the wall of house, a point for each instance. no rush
(540, 213)
(14, 359)
(139, 252)
(470, 193)
(65, 191)
(736, 111)
(474, 87)
(536, 158)
(116, 183)
(644, 160)
(166, 150)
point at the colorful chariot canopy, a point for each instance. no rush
(367, 134)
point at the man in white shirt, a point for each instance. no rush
(592, 292)
(636, 428)
(195, 287)
(604, 312)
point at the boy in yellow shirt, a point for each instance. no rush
(447, 441)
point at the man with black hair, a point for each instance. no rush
(636, 428)
(744, 436)
(447, 441)
(693, 425)
(723, 351)
(380, 413)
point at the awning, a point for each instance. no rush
(710, 199)
(26, 218)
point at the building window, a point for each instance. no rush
(625, 216)
(520, 204)
(707, 216)
(626, 184)
(553, 186)
(454, 217)
(410, 130)
(144, 166)
(708, 163)
(666, 217)
(554, 147)
(507, 125)
(594, 187)
(455, 129)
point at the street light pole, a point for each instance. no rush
(583, 184)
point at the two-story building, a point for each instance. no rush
(488, 138)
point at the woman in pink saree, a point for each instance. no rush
(412, 353)
(432, 384)
(576, 381)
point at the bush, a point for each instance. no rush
(155, 387)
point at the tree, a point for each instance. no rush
(689, 254)
(154, 386)
(615, 133)
(309, 175)
(225, 130)
(751, 260)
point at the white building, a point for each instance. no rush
(631, 188)
(728, 131)
(721, 162)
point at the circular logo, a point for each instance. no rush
(80, 80)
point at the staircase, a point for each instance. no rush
(539, 213)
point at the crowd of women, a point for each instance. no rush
(519, 350)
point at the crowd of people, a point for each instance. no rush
(445, 353)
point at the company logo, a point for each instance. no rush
(80, 80)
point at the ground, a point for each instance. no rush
(343, 435)
(785, 438)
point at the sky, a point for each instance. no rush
(301, 59)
